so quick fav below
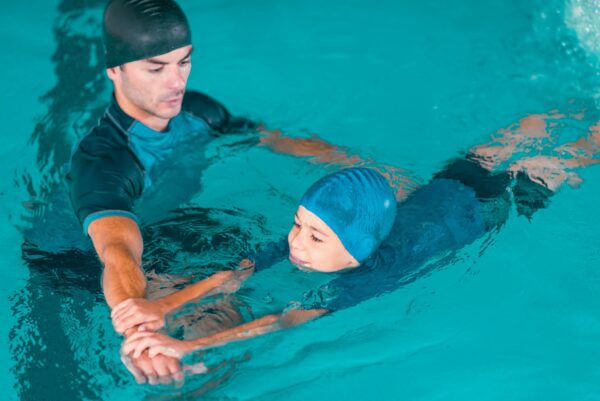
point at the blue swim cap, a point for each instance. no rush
(358, 204)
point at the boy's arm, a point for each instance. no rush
(156, 343)
(151, 314)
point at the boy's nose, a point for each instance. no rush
(296, 242)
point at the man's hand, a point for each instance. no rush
(148, 315)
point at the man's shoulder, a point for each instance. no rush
(105, 148)
(103, 159)
(206, 108)
(213, 113)
(104, 137)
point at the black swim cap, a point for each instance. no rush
(139, 29)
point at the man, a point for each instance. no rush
(151, 124)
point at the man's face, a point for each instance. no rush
(154, 87)
(314, 246)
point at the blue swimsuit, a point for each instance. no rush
(459, 205)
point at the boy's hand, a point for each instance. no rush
(155, 344)
(230, 281)
(148, 315)
(158, 370)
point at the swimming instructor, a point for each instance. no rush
(151, 122)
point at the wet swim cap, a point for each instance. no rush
(140, 29)
(358, 204)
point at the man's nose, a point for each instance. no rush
(176, 80)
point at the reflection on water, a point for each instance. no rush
(40, 344)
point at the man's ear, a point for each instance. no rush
(112, 73)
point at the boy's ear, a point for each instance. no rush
(364, 247)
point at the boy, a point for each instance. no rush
(349, 223)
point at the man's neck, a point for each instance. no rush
(149, 120)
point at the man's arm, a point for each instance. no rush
(319, 151)
(119, 245)
(314, 148)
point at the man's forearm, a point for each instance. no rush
(119, 245)
(122, 277)
(313, 147)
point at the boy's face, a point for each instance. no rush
(314, 246)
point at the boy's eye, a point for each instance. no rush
(156, 70)
(296, 225)
(184, 62)
(315, 238)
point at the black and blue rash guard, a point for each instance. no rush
(459, 205)
(121, 159)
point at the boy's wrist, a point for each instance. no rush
(167, 304)
(197, 344)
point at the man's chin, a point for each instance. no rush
(169, 113)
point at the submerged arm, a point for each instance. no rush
(157, 343)
(320, 151)
(314, 147)
(531, 135)
(552, 171)
(528, 133)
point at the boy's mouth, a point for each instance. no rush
(297, 261)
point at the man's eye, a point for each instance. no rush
(315, 238)
(184, 62)
(156, 70)
(296, 225)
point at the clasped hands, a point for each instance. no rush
(151, 356)
(136, 316)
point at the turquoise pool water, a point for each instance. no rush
(409, 84)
